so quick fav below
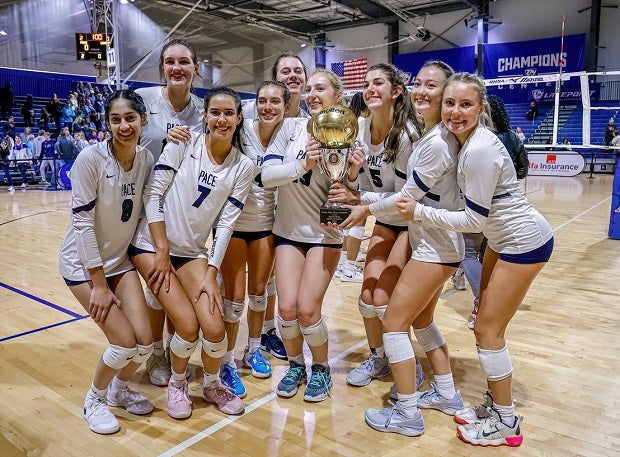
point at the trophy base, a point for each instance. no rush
(334, 214)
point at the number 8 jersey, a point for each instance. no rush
(106, 206)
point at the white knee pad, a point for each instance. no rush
(357, 232)
(182, 348)
(271, 286)
(345, 232)
(257, 303)
(143, 353)
(117, 357)
(429, 337)
(288, 329)
(366, 310)
(380, 311)
(151, 299)
(232, 311)
(495, 364)
(315, 334)
(215, 350)
(397, 346)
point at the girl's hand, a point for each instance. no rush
(406, 207)
(211, 288)
(313, 155)
(101, 300)
(339, 193)
(178, 134)
(358, 215)
(160, 273)
(355, 161)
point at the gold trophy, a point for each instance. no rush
(335, 129)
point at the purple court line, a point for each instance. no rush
(40, 329)
(44, 302)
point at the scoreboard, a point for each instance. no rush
(92, 46)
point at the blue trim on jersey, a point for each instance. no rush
(504, 195)
(86, 207)
(400, 174)
(419, 182)
(272, 156)
(164, 167)
(538, 255)
(235, 202)
(432, 196)
(477, 208)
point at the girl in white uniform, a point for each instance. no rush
(387, 138)
(107, 186)
(252, 240)
(196, 185)
(436, 254)
(306, 252)
(520, 242)
(172, 110)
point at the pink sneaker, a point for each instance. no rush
(179, 404)
(224, 398)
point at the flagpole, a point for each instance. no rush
(561, 63)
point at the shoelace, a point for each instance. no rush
(395, 409)
(99, 407)
(320, 382)
(178, 393)
(294, 373)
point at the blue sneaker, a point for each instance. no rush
(270, 342)
(230, 378)
(294, 377)
(261, 368)
(319, 385)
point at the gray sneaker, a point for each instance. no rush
(419, 380)
(371, 368)
(158, 369)
(394, 420)
(132, 401)
(431, 399)
(475, 413)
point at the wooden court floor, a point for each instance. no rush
(564, 345)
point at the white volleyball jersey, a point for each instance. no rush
(431, 180)
(494, 201)
(161, 118)
(192, 195)
(106, 204)
(300, 193)
(379, 179)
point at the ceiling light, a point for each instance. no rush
(2, 33)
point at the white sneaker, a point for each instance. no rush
(24, 185)
(11, 189)
(355, 274)
(360, 257)
(132, 401)
(99, 417)
(158, 369)
(458, 279)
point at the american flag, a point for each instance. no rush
(352, 72)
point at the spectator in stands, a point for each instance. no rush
(92, 136)
(100, 136)
(520, 134)
(88, 109)
(67, 116)
(36, 144)
(27, 111)
(532, 113)
(6, 101)
(549, 141)
(98, 105)
(80, 141)
(609, 131)
(566, 144)
(44, 120)
(615, 142)
(72, 99)
(47, 156)
(22, 156)
(78, 123)
(54, 109)
(25, 134)
(5, 152)
(9, 127)
(65, 149)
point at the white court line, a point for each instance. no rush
(580, 214)
(230, 419)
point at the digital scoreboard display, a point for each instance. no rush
(92, 46)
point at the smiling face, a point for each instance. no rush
(290, 71)
(270, 105)
(178, 66)
(426, 92)
(125, 122)
(221, 117)
(461, 109)
(378, 91)
(320, 93)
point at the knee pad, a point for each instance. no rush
(315, 334)
(397, 346)
(345, 232)
(181, 348)
(151, 299)
(380, 311)
(232, 311)
(429, 337)
(495, 364)
(215, 350)
(366, 310)
(257, 303)
(288, 329)
(271, 286)
(117, 357)
(143, 353)
(357, 232)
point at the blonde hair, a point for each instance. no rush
(333, 79)
(478, 85)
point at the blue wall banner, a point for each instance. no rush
(461, 59)
(534, 57)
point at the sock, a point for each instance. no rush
(298, 359)
(343, 259)
(178, 377)
(378, 352)
(268, 325)
(209, 379)
(409, 402)
(445, 385)
(228, 359)
(506, 413)
(101, 393)
(350, 266)
(158, 347)
(253, 344)
(117, 384)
